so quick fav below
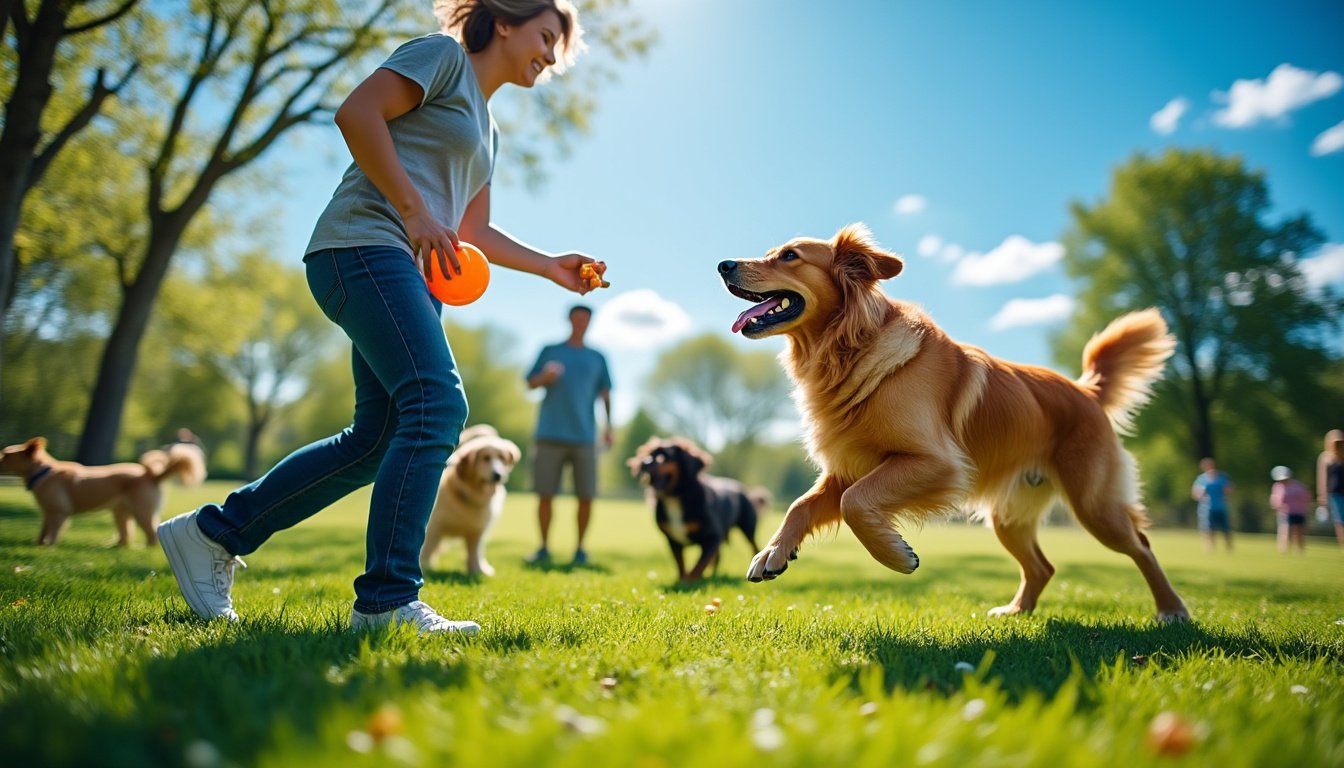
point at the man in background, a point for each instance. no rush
(574, 376)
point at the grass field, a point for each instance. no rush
(838, 663)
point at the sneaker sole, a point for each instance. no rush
(168, 542)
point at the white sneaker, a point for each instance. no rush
(203, 568)
(425, 619)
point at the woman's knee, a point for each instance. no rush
(439, 412)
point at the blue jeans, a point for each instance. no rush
(409, 411)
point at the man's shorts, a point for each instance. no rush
(1214, 520)
(550, 458)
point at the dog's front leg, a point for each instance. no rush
(815, 509)
(679, 554)
(707, 555)
(920, 483)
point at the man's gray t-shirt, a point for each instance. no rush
(447, 146)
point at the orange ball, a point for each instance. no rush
(466, 287)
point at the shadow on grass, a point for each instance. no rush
(229, 691)
(1040, 659)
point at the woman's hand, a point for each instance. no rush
(563, 270)
(428, 236)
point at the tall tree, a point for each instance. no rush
(27, 147)
(282, 339)
(1189, 232)
(274, 63)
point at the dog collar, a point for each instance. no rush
(37, 476)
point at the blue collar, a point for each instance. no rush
(36, 476)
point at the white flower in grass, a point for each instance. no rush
(1300, 690)
(765, 734)
(964, 666)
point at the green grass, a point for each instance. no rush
(839, 662)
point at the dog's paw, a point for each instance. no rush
(770, 562)
(486, 569)
(1011, 609)
(1173, 617)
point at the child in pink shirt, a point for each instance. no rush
(1290, 500)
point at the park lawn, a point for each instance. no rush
(838, 663)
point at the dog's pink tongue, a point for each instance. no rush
(756, 311)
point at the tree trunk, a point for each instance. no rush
(102, 424)
(251, 451)
(23, 131)
(1203, 424)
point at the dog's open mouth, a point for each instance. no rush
(772, 309)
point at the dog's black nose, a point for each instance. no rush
(496, 477)
(727, 266)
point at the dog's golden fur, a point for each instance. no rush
(67, 488)
(906, 423)
(471, 496)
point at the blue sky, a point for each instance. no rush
(958, 131)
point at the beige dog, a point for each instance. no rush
(471, 496)
(906, 423)
(131, 491)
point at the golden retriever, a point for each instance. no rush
(471, 496)
(66, 488)
(906, 423)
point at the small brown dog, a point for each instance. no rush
(131, 491)
(906, 423)
(471, 496)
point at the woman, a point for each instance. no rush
(423, 142)
(1330, 480)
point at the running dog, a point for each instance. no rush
(471, 496)
(906, 423)
(66, 488)
(692, 506)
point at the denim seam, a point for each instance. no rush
(317, 481)
(387, 556)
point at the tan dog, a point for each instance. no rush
(471, 496)
(906, 423)
(131, 491)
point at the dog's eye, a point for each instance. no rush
(789, 255)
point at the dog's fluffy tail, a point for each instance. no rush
(185, 460)
(1121, 363)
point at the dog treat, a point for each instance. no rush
(591, 273)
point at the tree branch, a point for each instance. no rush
(97, 95)
(125, 8)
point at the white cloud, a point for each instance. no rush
(1330, 140)
(1325, 267)
(907, 205)
(1287, 88)
(929, 245)
(1165, 120)
(1017, 258)
(638, 319)
(1020, 312)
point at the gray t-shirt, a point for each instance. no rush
(447, 146)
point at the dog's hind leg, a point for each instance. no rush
(818, 508)
(905, 483)
(1105, 506)
(121, 521)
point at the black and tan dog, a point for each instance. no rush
(691, 506)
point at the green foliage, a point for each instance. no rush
(706, 389)
(1258, 349)
(839, 662)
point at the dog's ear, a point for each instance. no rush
(859, 259)
(511, 450)
(464, 461)
(35, 444)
